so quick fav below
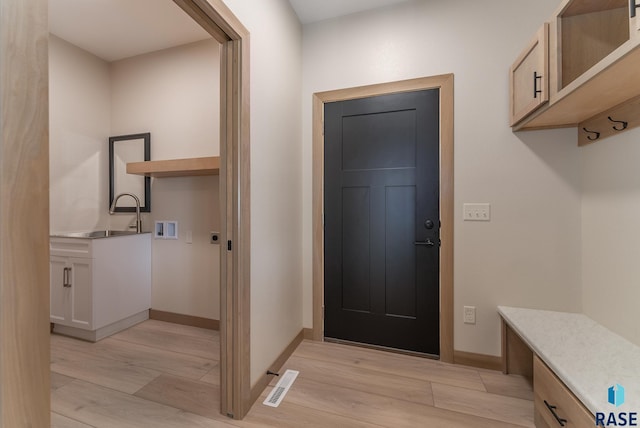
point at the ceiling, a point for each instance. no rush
(117, 29)
(317, 10)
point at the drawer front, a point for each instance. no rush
(70, 247)
(547, 387)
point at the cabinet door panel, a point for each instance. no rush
(59, 295)
(81, 293)
(529, 77)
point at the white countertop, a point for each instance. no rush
(586, 356)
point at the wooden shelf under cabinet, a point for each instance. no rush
(176, 167)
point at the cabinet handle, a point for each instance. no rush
(66, 277)
(633, 6)
(552, 409)
(537, 91)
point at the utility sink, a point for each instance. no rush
(99, 286)
(95, 234)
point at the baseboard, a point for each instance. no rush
(480, 361)
(189, 320)
(307, 333)
(101, 333)
(264, 380)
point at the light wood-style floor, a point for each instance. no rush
(158, 374)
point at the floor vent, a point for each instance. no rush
(280, 390)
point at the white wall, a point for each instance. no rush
(276, 295)
(186, 277)
(175, 95)
(611, 234)
(80, 121)
(529, 254)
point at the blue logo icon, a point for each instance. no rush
(616, 395)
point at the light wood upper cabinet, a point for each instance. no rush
(634, 23)
(594, 58)
(587, 32)
(529, 77)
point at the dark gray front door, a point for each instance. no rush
(381, 201)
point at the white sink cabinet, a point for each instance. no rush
(99, 286)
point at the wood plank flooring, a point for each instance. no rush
(166, 375)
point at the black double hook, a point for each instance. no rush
(619, 125)
(624, 124)
(589, 137)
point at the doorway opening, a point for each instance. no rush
(214, 17)
(445, 85)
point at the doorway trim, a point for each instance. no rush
(25, 396)
(235, 208)
(445, 84)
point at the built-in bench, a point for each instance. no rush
(573, 362)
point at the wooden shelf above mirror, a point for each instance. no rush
(176, 167)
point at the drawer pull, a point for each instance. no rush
(552, 409)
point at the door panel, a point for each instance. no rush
(381, 185)
(380, 140)
(400, 292)
(81, 296)
(356, 247)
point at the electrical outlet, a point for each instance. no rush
(469, 314)
(214, 238)
(477, 212)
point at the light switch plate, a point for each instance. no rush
(477, 212)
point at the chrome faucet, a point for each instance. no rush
(138, 218)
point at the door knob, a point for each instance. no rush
(428, 224)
